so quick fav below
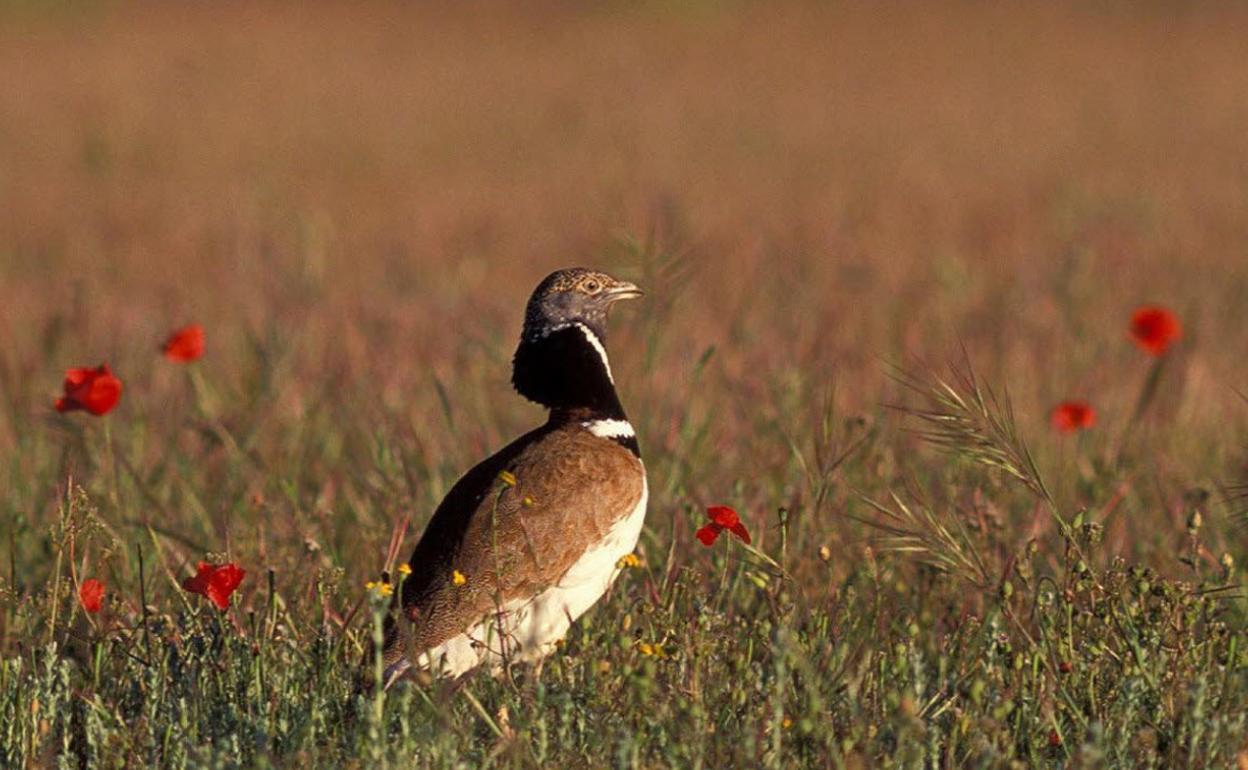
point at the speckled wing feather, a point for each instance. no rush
(513, 541)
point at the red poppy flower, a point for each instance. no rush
(185, 345)
(1071, 416)
(94, 390)
(215, 581)
(722, 517)
(91, 595)
(1154, 328)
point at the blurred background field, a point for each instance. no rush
(355, 201)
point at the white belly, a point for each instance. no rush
(527, 630)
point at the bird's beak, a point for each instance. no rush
(623, 290)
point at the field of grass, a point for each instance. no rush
(879, 244)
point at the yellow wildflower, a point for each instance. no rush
(405, 569)
(382, 589)
(654, 650)
(458, 578)
(628, 560)
(786, 723)
(507, 477)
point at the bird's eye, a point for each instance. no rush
(591, 286)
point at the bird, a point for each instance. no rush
(533, 536)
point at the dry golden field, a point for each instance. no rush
(355, 201)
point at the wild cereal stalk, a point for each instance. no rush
(968, 420)
(918, 530)
(1237, 500)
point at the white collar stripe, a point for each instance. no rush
(610, 428)
(597, 345)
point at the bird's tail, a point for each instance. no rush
(394, 661)
(394, 635)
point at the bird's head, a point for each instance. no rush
(574, 295)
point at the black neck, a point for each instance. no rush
(564, 372)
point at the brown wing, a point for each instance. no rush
(515, 541)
